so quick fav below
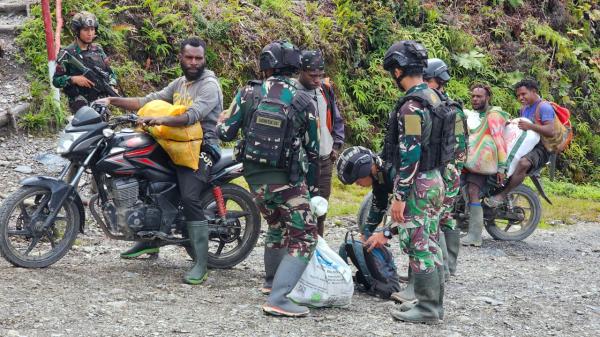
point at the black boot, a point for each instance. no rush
(441, 274)
(289, 272)
(198, 233)
(272, 260)
(141, 248)
(427, 291)
(453, 244)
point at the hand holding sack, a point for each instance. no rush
(182, 144)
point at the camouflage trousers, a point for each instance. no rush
(451, 178)
(420, 232)
(286, 209)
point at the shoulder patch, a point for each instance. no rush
(412, 125)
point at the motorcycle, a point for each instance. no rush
(514, 220)
(137, 198)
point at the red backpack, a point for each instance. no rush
(563, 131)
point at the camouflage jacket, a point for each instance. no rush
(305, 125)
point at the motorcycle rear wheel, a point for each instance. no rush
(236, 240)
(24, 246)
(526, 201)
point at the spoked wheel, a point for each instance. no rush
(232, 240)
(23, 242)
(518, 217)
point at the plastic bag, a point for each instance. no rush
(318, 206)
(518, 142)
(182, 144)
(326, 282)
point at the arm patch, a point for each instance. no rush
(412, 125)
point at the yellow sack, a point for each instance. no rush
(182, 144)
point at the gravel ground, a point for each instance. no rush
(14, 87)
(545, 286)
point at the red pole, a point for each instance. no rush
(48, 30)
(59, 25)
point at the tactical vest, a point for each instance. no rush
(269, 134)
(91, 58)
(438, 139)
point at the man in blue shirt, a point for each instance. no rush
(541, 114)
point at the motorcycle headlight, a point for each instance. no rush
(66, 140)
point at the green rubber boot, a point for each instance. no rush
(408, 293)
(198, 233)
(473, 237)
(141, 248)
(406, 306)
(427, 291)
(288, 274)
(272, 260)
(442, 242)
(453, 246)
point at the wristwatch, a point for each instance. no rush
(387, 233)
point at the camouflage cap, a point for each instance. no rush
(312, 60)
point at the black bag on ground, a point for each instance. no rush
(376, 272)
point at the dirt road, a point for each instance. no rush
(545, 286)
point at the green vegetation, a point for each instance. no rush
(495, 41)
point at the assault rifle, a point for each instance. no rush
(99, 77)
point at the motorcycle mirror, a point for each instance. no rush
(108, 133)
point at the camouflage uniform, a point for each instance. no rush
(451, 174)
(423, 192)
(284, 203)
(80, 96)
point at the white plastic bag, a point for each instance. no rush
(326, 282)
(318, 206)
(518, 142)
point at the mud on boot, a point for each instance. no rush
(289, 272)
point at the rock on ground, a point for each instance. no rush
(545, 286)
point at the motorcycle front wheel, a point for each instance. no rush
(23, 242)
(518, 217)
(232, 241)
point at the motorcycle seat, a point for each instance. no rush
(226, 160)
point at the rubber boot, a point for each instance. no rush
(321, 225)
(140, 248)
(272, 260)
(442, 277)
(427, 291)
(473, 237)
(453, 246)
(442, 243)
(408, 293)
(289, 272)
(198, 233)
(406, 306)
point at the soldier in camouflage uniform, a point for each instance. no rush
(418, 185)
(79, 89)
(436, 74)
(282, 193)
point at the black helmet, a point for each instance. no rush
(312, 60)
(280, 55)
(354, 163)
(82, 20)
(436, 68)
(405, 54)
